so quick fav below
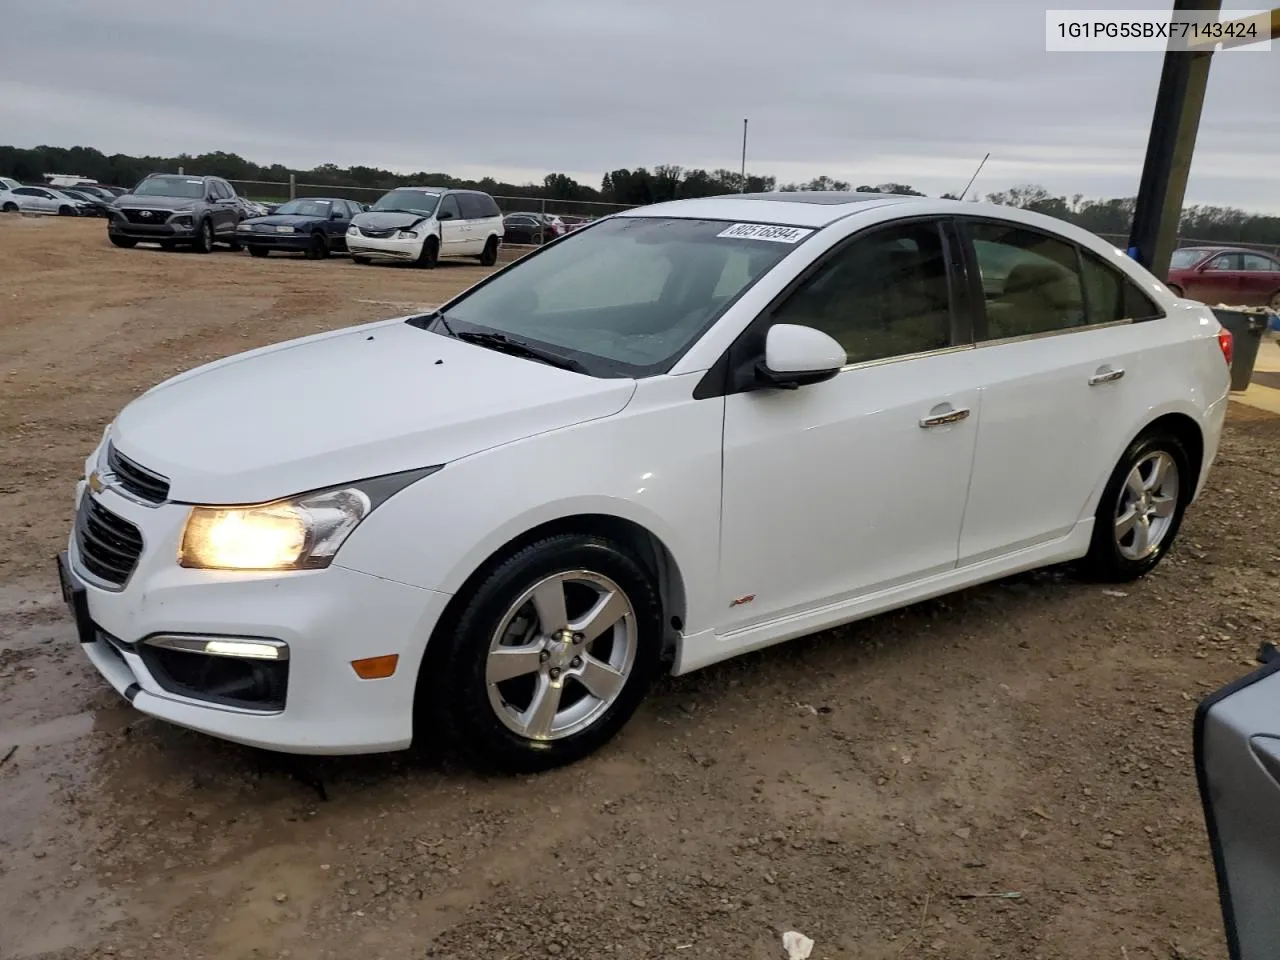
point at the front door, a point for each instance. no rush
(453, 230)
(1063, 374)
(851, 486)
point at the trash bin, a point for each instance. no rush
(1246, 328)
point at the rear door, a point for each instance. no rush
(1260, 280)
(1217, 281)
(472, 222)
(1066, 373)
(1237, 759)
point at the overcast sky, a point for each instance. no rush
(914, 91)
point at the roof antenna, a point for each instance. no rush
(973, 178)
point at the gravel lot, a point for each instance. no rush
(1028, 737)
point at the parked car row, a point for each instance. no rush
(1233, 275)
(409, 224)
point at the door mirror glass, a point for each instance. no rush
(1237, 760)
(444, 215)
(796, 355)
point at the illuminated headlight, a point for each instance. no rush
(406, 235)
(300, 533)
(285, 230)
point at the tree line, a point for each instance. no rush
(622, 186)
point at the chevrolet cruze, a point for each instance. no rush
(681, 433)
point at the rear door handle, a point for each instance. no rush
(941, 419)
(1106, 375)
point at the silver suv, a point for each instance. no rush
(172, 209)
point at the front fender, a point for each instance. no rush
(656, 464)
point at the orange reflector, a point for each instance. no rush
(376, 668)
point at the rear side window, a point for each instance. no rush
(1031, 281)
(1256, 261)
(488, 206)
(1111, 296)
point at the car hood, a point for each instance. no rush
(346, 405)
(156, 203)
(386, 220)
(283, 220)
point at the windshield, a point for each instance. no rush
(408, 201)
(306, 208)
(170, 187)
(626, 297)
(1182, 259)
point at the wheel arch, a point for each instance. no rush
(647, 546)
(1180, 424)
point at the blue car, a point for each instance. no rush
(313, 226)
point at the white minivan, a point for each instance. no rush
(422, 224)
(684, 432)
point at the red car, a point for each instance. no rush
(1230, 275)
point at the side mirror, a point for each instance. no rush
(337, 215)
(444, 216)
(1236, 740)
(796, 356)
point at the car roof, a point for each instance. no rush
(1206, 250)
(794, 208)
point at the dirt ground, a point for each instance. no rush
(1029, 737)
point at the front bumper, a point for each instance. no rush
(388, 248)
(148, 231)
(274, 241)
(327, 618)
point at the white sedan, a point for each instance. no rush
(42, 200)
(682, 433)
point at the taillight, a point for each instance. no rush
(1227, 343)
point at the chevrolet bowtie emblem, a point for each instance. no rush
(95, 482)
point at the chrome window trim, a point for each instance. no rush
(1027, 337)
(899, 358)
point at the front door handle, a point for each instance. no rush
(941, 419)
(1106, 375)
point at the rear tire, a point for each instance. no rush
(65, 211)
(495, 722)
(1140, 511)
(1274, 303)
(255, 251)
(127, 242)
(430, 254)
(490, 255)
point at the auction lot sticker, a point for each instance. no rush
(764, 231)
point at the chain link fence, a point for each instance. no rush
(278, 191)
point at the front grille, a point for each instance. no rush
(153, 217)
(379, 234)
(137, 479)
(109, 545)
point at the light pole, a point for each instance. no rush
(744, 155)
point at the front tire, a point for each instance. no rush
(10, 207)
(204, 238)
(362, 261)
(1141, 510)
(490, 255)
(65, 211)
(127, 242)
(430, 254)
(318, 249)
(256, 251)
(547, 657)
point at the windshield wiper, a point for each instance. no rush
(516, 348)
(414, 213)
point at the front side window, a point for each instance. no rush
(188, 188)
(1227, 261)
(884, 295)
(626, 298)
(449, 208)
(1031, 281)
(407, 201)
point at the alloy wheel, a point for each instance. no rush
(1146, 506)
